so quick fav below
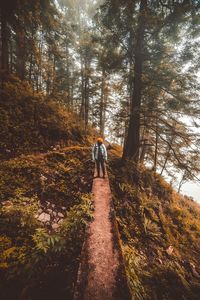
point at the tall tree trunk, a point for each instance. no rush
(131, 149)
(30, 67)
(156, 150)
(72, 94)
(143, 150)
(31, 49)
(54, 83)
(68, 77)
(167, 155)
(87, 82)
(104, 111)
(4, 41)
(20, 51)
(130, 71)
(82, 109)
(10, 56)
(37, 79)
(48, 81)
(101, 112)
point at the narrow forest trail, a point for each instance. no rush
(101, 274)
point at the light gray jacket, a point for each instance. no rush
(95, 150)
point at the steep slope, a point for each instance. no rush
(45, 204)
(32, 123)
(45, 201)
(160, 234)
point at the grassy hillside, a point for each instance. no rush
(31, 123)
(160, 234)
(45, 202)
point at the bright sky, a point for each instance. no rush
(191, 189)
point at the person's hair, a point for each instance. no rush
(99, 140)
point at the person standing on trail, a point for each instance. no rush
(99, 155)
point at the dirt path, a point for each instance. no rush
(99, 275)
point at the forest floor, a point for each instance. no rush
(101, 273)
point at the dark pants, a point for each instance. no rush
(98, 163)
